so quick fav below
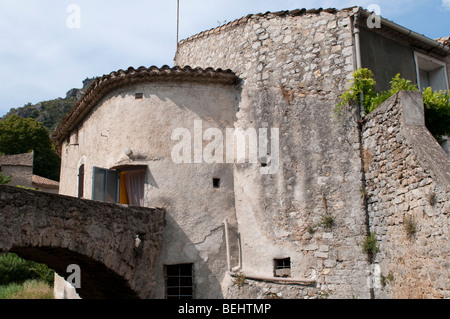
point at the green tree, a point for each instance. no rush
(19, 135)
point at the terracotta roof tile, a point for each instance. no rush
(44, 182)
(444, 40)
(105, 84)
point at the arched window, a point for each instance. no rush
(81, 181)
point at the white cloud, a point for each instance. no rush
(446, 4)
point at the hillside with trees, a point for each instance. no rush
(50, 113)
(28, 128)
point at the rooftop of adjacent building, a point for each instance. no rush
(26, 160)
(43, 182)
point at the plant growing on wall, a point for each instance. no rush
(436, 103)
(410, 225)
(239, 280)
(432, 198)
(437, 112)
(4, 179)
(327, 222)
(361, 89)
(397, 84)
(385, 280)
(370, 245)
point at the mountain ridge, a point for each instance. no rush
(50, 113)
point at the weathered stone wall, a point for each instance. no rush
(408, 185)
(293, 69)
(258, 289)
(99, 237)
(20, 175)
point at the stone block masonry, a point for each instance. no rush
(99, 237)
(311, 53)
(408, 195)
(293, 68)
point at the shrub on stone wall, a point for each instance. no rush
(370, 245)
(437, 103)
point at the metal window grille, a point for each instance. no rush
(179, 282)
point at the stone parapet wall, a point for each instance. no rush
(99, 237)
(408, 195)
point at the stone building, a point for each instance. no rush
(20, 168)
(289, 214)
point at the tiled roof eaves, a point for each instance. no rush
(444, 40)
(105, 84)
(44, 182)
(398, 32)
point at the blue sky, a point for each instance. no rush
(41, 58)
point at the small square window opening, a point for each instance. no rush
(216, 182)
(139, 96)
(282, 267)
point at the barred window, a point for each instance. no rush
(179, 282)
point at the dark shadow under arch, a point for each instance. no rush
(97, 281)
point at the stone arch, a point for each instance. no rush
(99, 237)
(97, 280)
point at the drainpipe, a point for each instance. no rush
(357, 33)
(286, 281)
(227, 241)
(281, 281)
(361, 114)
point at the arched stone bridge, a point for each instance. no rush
(98, 237)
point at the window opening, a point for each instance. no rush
(282, 267)
(105, 185)
(124, 187)
(216, 182)
(132, 184)
(430, 73)
(139, 96)
(179, 282)
(74, 137)
(81, 181)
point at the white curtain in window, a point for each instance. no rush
(134, 182)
